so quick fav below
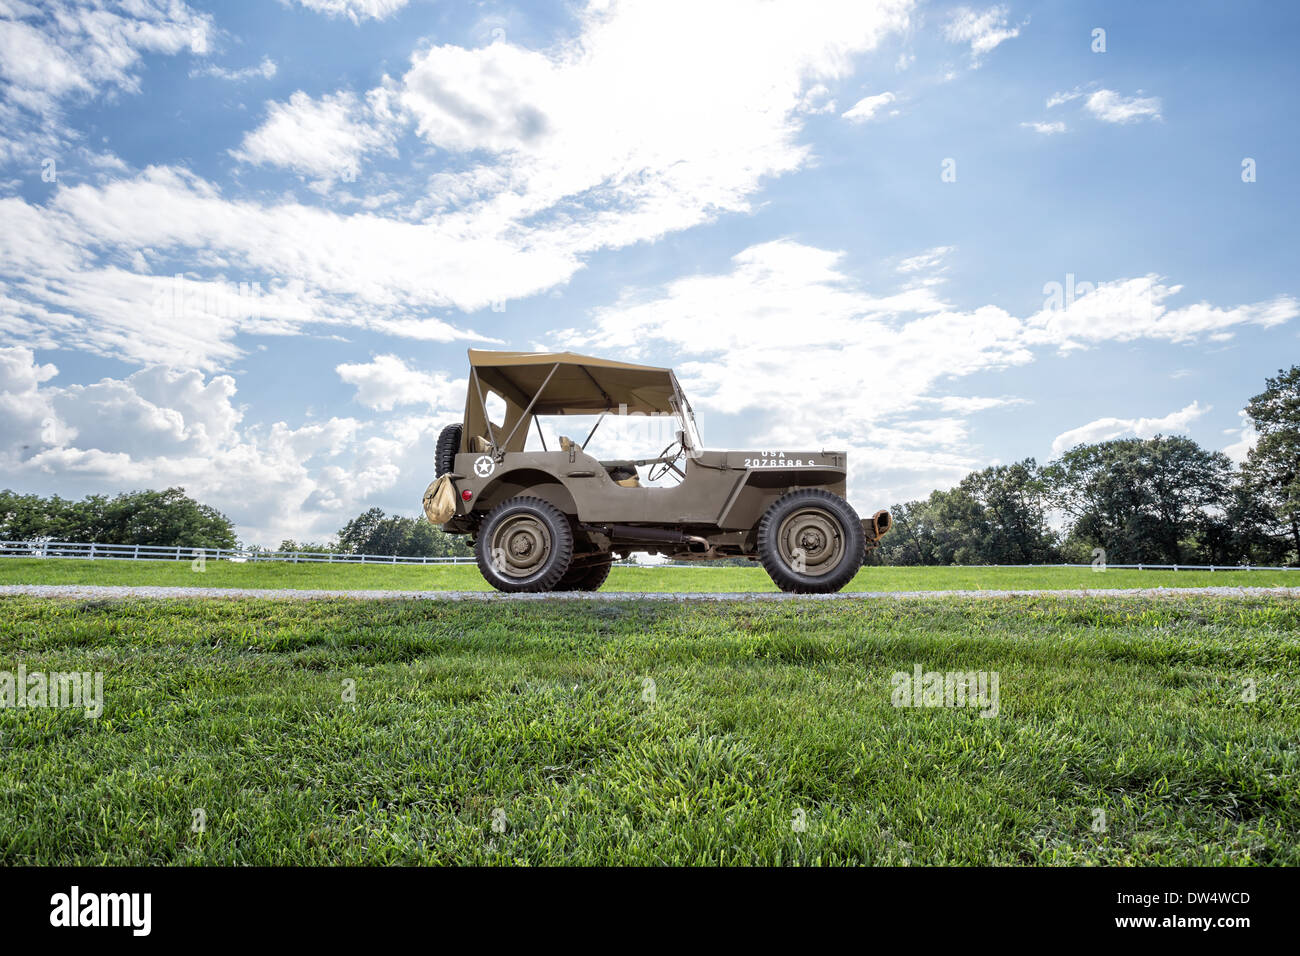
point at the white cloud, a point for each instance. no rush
(929, 261)
(1105, 429)
(26, 415)
(817, 100)
(355, 10)
(1137, 308)
(386, 382)
(63, 53)
(63, 48)
(1107, 106)
(648, 150)
(325, 138)
(265, 69)
(1056, 99)
(1047, 129)
(1247, 436)
(587, 146)
(984, 30)
(866, 108)
(62, 292)
(975, 403)
(1111, 107)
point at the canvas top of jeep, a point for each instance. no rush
(554, 518)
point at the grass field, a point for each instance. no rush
(225, 574)
(760, 717)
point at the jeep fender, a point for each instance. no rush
(531, 481)
(758, 488)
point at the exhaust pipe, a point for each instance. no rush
(626, 533)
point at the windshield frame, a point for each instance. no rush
(691, 440)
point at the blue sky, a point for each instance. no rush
(751, 192)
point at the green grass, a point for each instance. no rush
(224, 574)
(1129, 706)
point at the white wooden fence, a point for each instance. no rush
(151, 552)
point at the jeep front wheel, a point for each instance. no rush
(810, 542)
(524, 544)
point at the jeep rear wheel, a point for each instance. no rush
(524, 544)
(810, 542)
(589, 576)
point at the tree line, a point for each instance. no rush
(171, 518)
(1164, 500)
(374, 532)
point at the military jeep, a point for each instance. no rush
(555, 518)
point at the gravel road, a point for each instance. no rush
(100, 592)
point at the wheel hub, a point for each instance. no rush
(520, 546)
(811, 541)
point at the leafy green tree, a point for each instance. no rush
(1272, 469)
(999, 516)
(306, 547)
(373, 532)
(169, 518)
(357, 533)
(920, 534)
(1244, 534)
(1143, 501)
(994, 516)
(431, 541)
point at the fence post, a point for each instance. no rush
(92, 551)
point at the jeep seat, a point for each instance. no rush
(620, 472)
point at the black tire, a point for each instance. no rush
(814, 528)
(532, 543)
(588, 576)
(448, 448)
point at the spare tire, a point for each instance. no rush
(448, 448)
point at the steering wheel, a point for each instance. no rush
(667, 461)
